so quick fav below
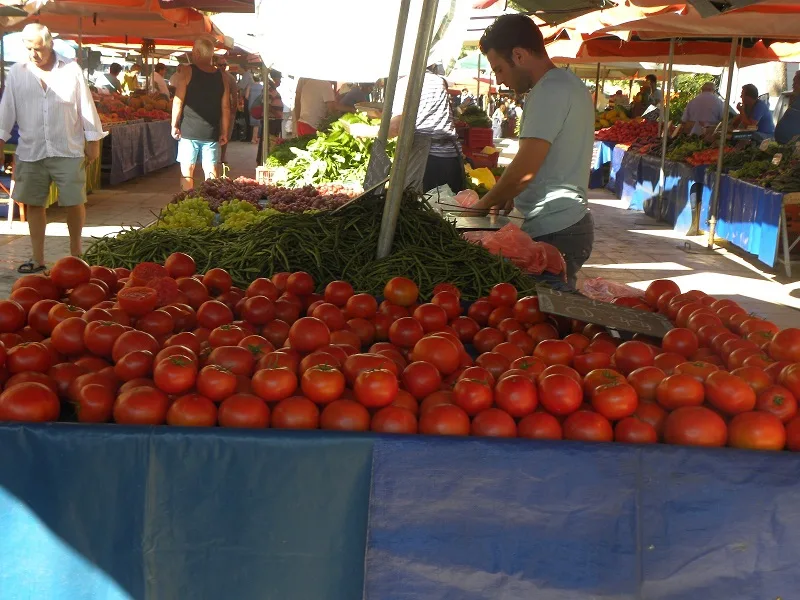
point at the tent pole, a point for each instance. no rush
(662, 176)
(3, 60)
(597, 87)
(714, 207)
(405, 142)
(394, 69)
(265, 104)
(630, 89)
(478, 92)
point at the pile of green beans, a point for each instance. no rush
(329, 246)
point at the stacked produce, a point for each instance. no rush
(161, 345)
(115, 108)
(706, 157)
(627, 132)
(282, 153)
(329, 246)
(682, 148)
(609, 117)
(473, 116)
(216, 191)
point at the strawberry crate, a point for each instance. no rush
(479, 137)
(479, 159)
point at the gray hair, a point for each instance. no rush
(34, 31)
(709, 86)
(204, 48)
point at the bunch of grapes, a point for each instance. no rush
(191, 212)
(304, 199)
(235, 206)
(245, 218)
(216, 191)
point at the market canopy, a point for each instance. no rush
(225, 6)
(553, 12)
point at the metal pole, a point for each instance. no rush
(394, 198)
(662, 176)
(712, 220)
(265, 125)
(478, 92)
(597, 87)
(3, 60)
(394, 69)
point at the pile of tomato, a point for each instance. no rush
(162, 344)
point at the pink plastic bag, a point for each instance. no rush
(604, 290)
(467, 198)
(515, 245)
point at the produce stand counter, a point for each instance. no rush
(136, 149)
(135, 512)
(602, 153)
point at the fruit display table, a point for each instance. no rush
(134, 512)
(136, 149)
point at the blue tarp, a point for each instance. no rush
(616, 174)
(140, 148)
(648, 188)
(116, 512)
(631, 165)
(601, 156)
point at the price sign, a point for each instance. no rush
(776, 160)
(764, 145)
(595, 155)
(609, 315)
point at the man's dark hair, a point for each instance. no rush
(652, 78)
(273, 74)
(160, 68)
(115, 69)
(512, 31)
(750, 91)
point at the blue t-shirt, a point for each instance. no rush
(789, 124)
(559, 109)
(762, 115)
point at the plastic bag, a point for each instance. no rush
(467, 198)
(515, 245)
(604, 290)
(555, 260)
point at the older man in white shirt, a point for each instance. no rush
(59, 132)
(703, 110)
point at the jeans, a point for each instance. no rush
(575, 243)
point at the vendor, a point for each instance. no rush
(789, 124)
(159, 85)
(109, 82)
(548, 179)
(754, 112)
(704, 110)
(130, 79)
(314, 102)
(656, 96)
(357, 94)
(436, 124)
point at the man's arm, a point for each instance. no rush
(8, 112)
(226, 112)
(92, 126)
(177, 103)
(521, 171)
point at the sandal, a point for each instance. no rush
(29, 267)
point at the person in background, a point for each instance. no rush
(159, 85)
(254, 97)
(498, 120)
(548, 179)
(200, 114)
(703, 110)
(244, 92)
(357, 94)
(130, 79)
(434, 121)
(656, 96)
(314, 102)
(109, 82)
(789, 124)
(59, 133)
(753, 111)
(467, 99)
(233, 103)
(275, 104)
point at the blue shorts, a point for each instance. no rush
(190, 150)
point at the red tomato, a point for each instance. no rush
(511, 351)
(438, 351)
(577, 341)
(699, 370)
(300, 284)
(157, 323)
(406, 401)
(213, 314)
(449, 302)
(243, 410)
(633, 355)
(86, 295)
(376, 388)
(564, 370)
(186, 339)
(702, 319)
(472, 395)
(526, 310)
(28, 356)
(258, 310)
(345, 415)
(635, 431)
(29, 402)
(560, 394)
(503, 294)
(12, 316)
(218, 281)
(615, 401)
(394, 419)
(179, 264)
(779, 401)
(64, 374)
(486, 339)
(479, 312)
(478, 373)
(307, 334)
(322, 384)
(756, 430)
(500, 314)
(653, 414)
(361, 306)
(669, 361)
(680, 341)
(279, 281)
(338, 293)
(522, 341)
(493, 422)
(677, 391)
(401, 291)
(215, 382)
(756, 378)
(137, 301)
(43, 285)
(175, 375)
(554, 352)
(69, 272)
(141, 406)
(431, 317)
(695, 426)
(532, 366)
(295, 412)
(274, 384)
(587, 426)
(444, 419)
(60, 312)
(263, 287)
(658, 288)
(67, 336)
(130, 341)
(495, 363)
(591, 361)
(94, 403)
(276, 332)
(540, 426)
(729, 394)
(406, 332)
(192, 410)
(789, 377)
(35, 377)
(25, 297)
(793, 435)
(516, 395)
(134, 365)
(196, 292)
(421, 379)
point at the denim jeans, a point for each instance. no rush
(575, 243)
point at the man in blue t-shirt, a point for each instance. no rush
(548, 179)
(789, 124)
(753, 111)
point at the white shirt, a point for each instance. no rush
(52, 123)
(313, 96)
(703, 110)
(159, 84)
(245, 81)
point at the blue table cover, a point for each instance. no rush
(114, 512)
(616, 175)
(647, 192)
(631, 165)
(601, 156)
(140, 148)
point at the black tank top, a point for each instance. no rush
(202, 107)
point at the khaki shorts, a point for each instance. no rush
(32, 181)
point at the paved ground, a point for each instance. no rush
(629, 247)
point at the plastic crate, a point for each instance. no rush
(479, 159)
(479, 137)
(792, 218)
(267, 175)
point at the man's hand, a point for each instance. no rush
(176, 132)
(2, 146)
(223, 139)
(92, 151)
